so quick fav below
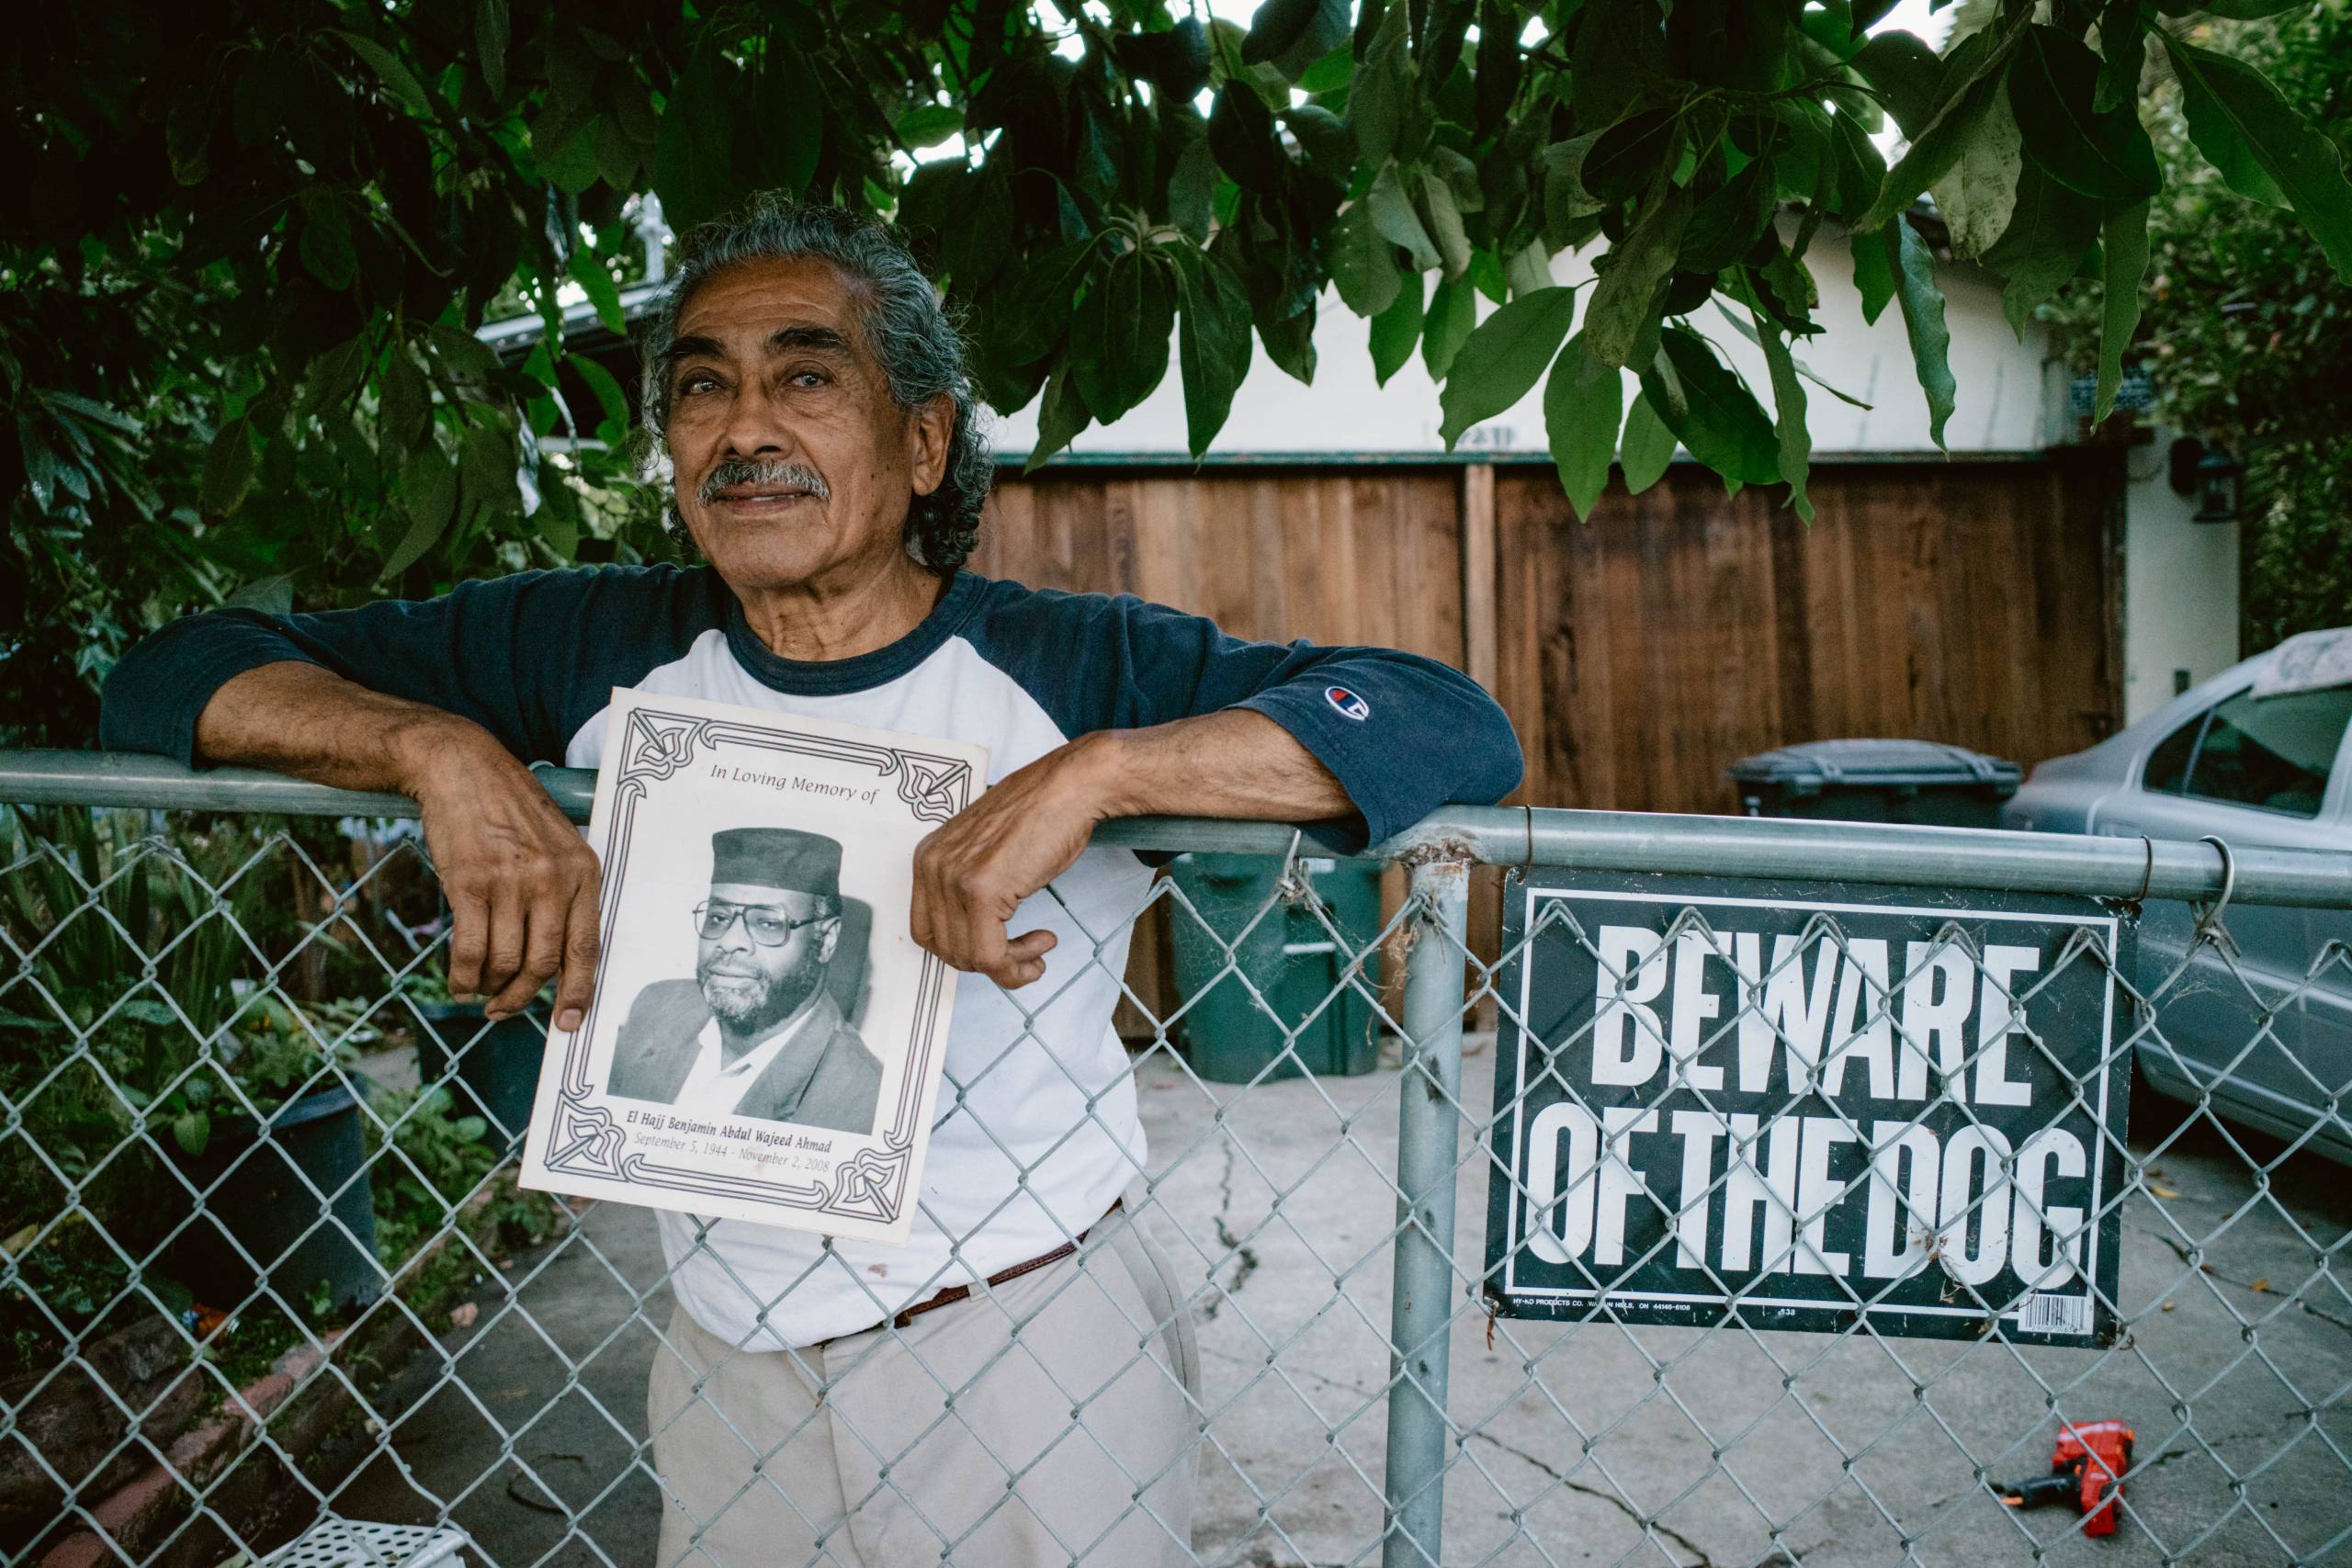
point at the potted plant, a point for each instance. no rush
(492, 1070)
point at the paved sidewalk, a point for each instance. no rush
(1293, 1335)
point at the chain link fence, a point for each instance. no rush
(265, 1259)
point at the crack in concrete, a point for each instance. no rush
(2210, 1273)
(1649, 1525)
(1248, 1255)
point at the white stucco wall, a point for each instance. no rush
(2000, 407)
(2180, 602)
(2180, 586)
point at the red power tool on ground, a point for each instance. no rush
(2086, 1470)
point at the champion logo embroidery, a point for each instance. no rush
(1349, 704)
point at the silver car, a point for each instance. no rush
(2255, 756)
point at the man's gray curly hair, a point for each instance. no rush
(905, 326)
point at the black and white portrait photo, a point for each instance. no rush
(765, 1037)
(758, 1032)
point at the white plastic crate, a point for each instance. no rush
(360, 1543)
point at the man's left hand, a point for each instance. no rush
(973, 872)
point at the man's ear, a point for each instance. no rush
(831, 940)
(931, 429)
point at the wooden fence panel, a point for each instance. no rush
(1680, 629)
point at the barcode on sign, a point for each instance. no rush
(2040, 1313)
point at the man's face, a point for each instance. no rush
(753, 988)
(792, 459)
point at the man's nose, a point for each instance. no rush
(756, 426)
(737, 937)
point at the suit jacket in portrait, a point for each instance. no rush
(826, 1078)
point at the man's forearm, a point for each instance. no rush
(1234, 763)
(298, 718)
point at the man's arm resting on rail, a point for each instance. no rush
(522, 885)
(972, 875)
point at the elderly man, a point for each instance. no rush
(754, 1033)
(1016, 1385)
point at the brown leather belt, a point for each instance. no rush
(954, 1294)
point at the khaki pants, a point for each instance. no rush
(1053, 1420)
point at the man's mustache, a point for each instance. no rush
(730, 473)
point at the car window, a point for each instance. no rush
(2167, 767)
(2274, 752)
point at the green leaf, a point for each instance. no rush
(1212, 343)
(2051, 86)
(927, 125)
(396, 77)
(1119, 344)
(602, 293)
(1061, 414)
(1646, 447)
(1979, 74)
(326, 245)
(486, 459)
(780, 130)
(271, 596)
(1362, 262)
(228, 469)
(1241, 134)
(192, 1129)
(2122, 56)
(1803, 369)
(1724, 227)
(490, 44)
(2263, 147)
(1873, 274)
(2048, 234)
(1584, 401)
(694, 159)
(1907, 76)
(1192, 188)
(1453, 313)
(1788, 414)
(2247, 10)
(1501, 361)
(1395, 330)
(1383, 83)
(1923, 321)
(610, 399)
(1624, 160)
(1528, 270)
(1621, 300)
(1708, 408)
(1978, 193)
(1295, 34)
(1392, 214)
(1445, 224)
(427, 487)
(2126, 250)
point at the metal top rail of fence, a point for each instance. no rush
(1368, 1384)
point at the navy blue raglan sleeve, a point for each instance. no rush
(529, 657)
(1403, 734)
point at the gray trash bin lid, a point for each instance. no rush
(1876, 765)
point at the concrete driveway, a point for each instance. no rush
(1588, 1443)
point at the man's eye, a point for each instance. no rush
(697, 383)
(808, 379)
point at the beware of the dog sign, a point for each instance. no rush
(1800, 1105)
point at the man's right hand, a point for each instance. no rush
(522, 885)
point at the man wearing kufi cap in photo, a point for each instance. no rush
(755, 1033)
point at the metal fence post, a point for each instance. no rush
(1421, 1307)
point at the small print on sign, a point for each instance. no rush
(1803, 1103)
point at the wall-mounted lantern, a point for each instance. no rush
(2208, 473)
(2220, 484)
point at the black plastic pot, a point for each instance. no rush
(293, 1193)
(497, 1063)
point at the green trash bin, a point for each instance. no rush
(1289, 956)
